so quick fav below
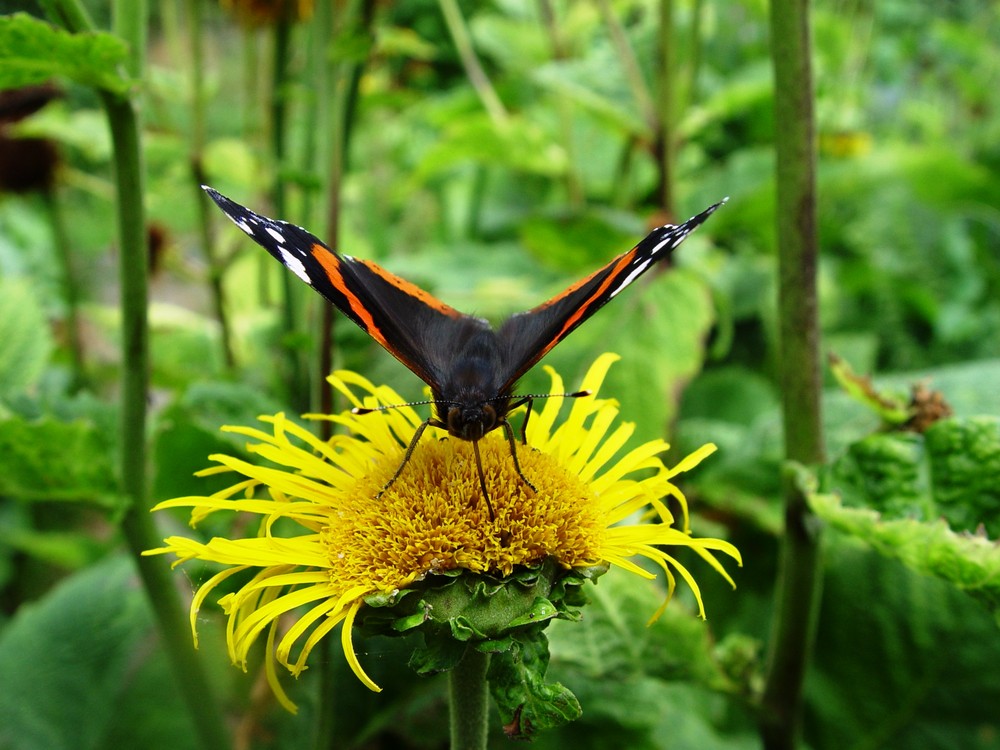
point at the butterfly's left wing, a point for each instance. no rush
(411, 324)
(529, 336)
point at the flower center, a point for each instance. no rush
(433, 518)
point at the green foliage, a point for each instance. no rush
(969, 562)
(951, 471)
(79, 671)
(642, 685)
(49, 460)
(25, 343)
(929, 644)
(503, 617)
(34, 52)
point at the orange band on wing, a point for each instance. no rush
(412, 290)
(583, 309)
(331, 264)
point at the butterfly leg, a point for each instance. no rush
(527, 415)
(509, 432)
(409, 452)
(482, 480)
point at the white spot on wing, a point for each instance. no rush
(278, 236)
(672, 240)
(632, 276)
(244, 226)
(294, 265)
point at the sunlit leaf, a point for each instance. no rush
(32, 51)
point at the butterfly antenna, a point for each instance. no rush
(531, 396)
(386, 407)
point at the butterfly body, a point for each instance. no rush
(471, 368)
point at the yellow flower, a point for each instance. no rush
(592, 508)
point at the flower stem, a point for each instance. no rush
(469, 701)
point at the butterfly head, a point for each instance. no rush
(471, 421)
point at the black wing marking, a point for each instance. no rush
(529, 336)
(411, 324)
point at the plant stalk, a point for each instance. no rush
(346, 83)
(630, 64)
(470, 61)
(296, 375)
(468, 699)
(137, 525)
(198, 178)
(798, 583)
(71, 294)
(665, 138)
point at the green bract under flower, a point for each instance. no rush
(430, 532)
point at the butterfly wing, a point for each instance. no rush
(529, 336)
(408, 322)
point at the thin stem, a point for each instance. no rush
(137, 525)
(296, 375)
(666, 138)
(198, 178)
(346, 84)
(468, 700)
(633, 74)
(799, 573)
(574, 183)
(470, 61)
(63, 243)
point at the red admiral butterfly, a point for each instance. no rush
(471, 368)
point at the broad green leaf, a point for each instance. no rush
(49, 460)
(25, 341)
(642, 686)
(969, 562)
(32, 51)
(901, 660)
(81, 670)
(615, 637)
(951, 470)
(742, 476)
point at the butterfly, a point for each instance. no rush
(472, 368)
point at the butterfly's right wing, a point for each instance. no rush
(407, 321)
(529, 336)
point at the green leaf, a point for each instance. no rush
(643, 686)
(48, 460)
(25, 341)
(902, 660)
(32, 51)
(517, 144)
(615, 636)
(528, 704)
(893, 409)
(964, 458)
(79, 671)
(968, 562)
(952, 470)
